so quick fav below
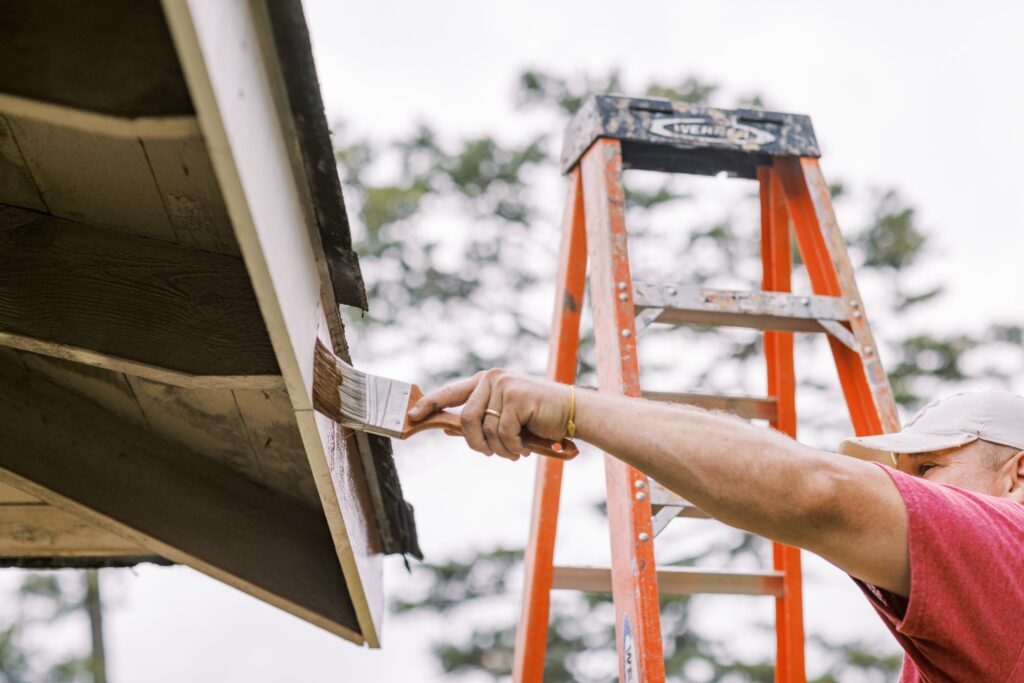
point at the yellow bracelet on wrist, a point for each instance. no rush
(570, 426)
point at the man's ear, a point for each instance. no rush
(1015, 470)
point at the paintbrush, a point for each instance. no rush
(375, 404)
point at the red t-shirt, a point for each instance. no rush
(964, 620)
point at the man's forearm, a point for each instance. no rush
(749, 477)
(752, 478)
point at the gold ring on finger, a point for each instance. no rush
(492, 411)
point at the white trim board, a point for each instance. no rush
(224, 54)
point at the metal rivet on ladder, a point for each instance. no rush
(622, 285)
(856, 314)
(623, 297)
(639, 483)
(868, 350)
(854, 303)
(805, 301)
(643, 537)
(640, 495)
(627, 333)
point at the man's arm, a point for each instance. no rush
(755, 479)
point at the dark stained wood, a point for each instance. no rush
(132, 298)
(252, 432)
(16, 184)
(176, 503)
(109, 390)
(101, 55)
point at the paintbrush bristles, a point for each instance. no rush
(339, 390)
(353, 394)
(326, 380)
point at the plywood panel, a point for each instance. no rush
(16, 184)
(107, 389)
(277, 444)
(190, 192)
(64, 283)
(46, 531)
(205, 420)
(94, 178)
(169, 499)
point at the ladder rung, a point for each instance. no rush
(735, 308)
(747, 407)
(676, 581)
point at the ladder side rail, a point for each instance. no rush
(634, 579)
(878, 381)
(777, 262)
(532, 629)
(865, 386)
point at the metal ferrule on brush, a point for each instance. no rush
(373, 403)
(386, 403)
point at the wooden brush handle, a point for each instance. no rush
(442, 419)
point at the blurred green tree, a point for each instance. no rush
(41, 600)
(424, 262)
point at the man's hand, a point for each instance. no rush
(497, 406)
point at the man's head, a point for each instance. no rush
(973, 440)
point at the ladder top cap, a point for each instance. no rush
(661, 135)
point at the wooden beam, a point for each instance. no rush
(76, 118)
(160, 495)
(130, 304)
(40, 530)
(30, 528)
(228, 58)
(10, 495)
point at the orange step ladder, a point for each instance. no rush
(608, 134)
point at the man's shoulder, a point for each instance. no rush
(946, 500)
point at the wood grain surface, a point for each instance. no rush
(139, 299)
(163, 496)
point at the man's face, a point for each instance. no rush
(970, 467)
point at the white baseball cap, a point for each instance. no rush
(996, 416)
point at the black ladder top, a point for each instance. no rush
(676, 137)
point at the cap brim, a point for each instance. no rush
(882, 446)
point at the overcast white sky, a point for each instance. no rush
(924, 96)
